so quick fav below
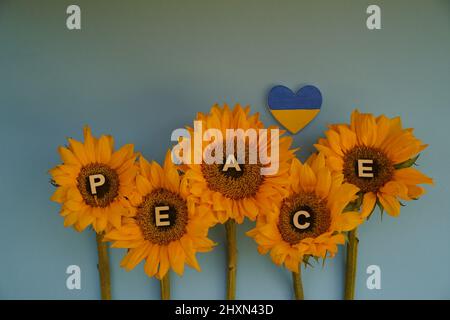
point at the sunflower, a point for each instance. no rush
(376, 155)
(240, 192)
(310, 220)
(93, 182)
(166, 228)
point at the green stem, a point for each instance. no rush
(350, 270)
(298, 286)
(230, 227)
(165, 287)
(103, 268)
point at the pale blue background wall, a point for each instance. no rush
(139, 69)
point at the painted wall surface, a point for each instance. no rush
(139, 69)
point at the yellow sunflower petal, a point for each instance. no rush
(292, 262)
(189, 251)
(348, 221)
(369, 201)
(414, 192)
(104, 150)
(70, 219)
(411, 176)
(172, 181)
(335, 163)
(152, 262)
(115, 216)
(395, 188)
(145, 167)
(135, 256)
(307, 178)
(143, 185)
(119, 157)
(84, 221)
(366, 130)
(89, 144)
(79, 151)
(59, 195)
(334, 141)
(176, 257)
(68, 157)
(279, 253)
(250, 207)
(100, 223)
(383, 125)
(323, 183)
(347, 137)
(390, 204)
(164, 262)
(157, 175)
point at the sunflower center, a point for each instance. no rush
(234, 182)
(303, 215)
(368, 168)
(162, 216)
(98, 184)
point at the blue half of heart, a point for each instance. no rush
(282, 98)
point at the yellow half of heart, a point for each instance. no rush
(295, 120)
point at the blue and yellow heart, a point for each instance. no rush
(294, 110)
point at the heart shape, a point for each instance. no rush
(294, 110)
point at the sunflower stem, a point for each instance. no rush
(298, 285)
(165, 287)
(350, 270)
(230, 227)
(103, 268)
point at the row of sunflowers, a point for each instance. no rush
(326, 188)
